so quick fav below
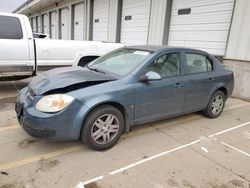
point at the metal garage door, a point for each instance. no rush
(100, 20)
(45, 23)
(135, 21)
(53, 25)
(201, 24)
(64, 23)
(78, 22)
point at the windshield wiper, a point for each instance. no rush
(96, 70)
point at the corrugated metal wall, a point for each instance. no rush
(238, 47)
(205, 26)
(238, 44)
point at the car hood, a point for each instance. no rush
(63, 79)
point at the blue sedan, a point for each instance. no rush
(126, 87)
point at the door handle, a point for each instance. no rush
(178, 85)
(210, 79)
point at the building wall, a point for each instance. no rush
(159, 22)
(238, 47)
(56, 7)
(237, 55)
(157, 30)
(114, 21)
(241, 71)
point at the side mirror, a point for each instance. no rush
(150, 76)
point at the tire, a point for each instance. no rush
(215, 105)
(102, 128)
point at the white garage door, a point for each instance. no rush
(45, 23)
(78, 22)
(53, 25)
(64, 23)
(135, 21)
(201, 24)
(100, 20)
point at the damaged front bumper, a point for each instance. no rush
(63, 125)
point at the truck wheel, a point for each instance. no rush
(102, 128)
(215, 105)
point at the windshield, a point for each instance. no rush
(119, 62)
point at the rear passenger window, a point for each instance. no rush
(197, 63)
(10, 28)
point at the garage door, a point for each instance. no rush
(201, 24)
(78, 22)
(135, 21)
(64, 23)
(53, 25)
(45, 23)
(100, 20)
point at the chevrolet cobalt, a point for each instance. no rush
(126, 87)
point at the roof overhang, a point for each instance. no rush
(34, 6)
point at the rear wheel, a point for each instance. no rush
(102, 128)
(215, 105)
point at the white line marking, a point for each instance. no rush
(93, 180)
(167, 152)
(174, 149)
(230, 129)
(153, 157)
(81, 184)
(245, 153)
(204, 149)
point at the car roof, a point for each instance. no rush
(160, 48)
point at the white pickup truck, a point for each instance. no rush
(22, 55)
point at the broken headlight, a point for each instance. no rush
(53, 103)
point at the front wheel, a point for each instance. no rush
(102, 128)
(215, 105)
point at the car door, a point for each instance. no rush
(161, 98)
(200, 77)
(14, 45)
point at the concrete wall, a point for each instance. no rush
(241, 71)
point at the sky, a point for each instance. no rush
(10, 5)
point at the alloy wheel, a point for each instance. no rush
(217, 104)
(105, 129)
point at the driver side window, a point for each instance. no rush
(166, 65)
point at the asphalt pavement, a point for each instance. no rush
(188, 151)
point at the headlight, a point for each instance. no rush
(53, 103)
